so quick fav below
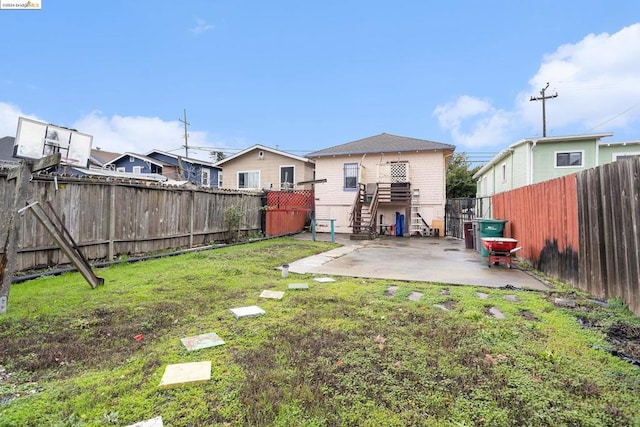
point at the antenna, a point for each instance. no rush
(544, 114)
(186, 134)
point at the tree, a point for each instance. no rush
(460, 182)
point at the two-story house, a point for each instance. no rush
(371, 181)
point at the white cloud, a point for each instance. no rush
(201, 27)
(9, 119)
(138, 134)
(473, 122)
(598, 86)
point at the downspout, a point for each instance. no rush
(530, 168)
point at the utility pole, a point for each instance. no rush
(186, 134)
(542, 98)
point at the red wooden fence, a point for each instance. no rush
(544, 219)
(288, 211)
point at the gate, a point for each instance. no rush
(464, 209)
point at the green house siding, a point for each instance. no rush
(608, 152)
(544, 158)
(519, 161)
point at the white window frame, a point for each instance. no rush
(137, 169)
(120, 169)
(293, 177)
(132, 159)
(616, 156)
(257, 187)
(555, 159)
(205, 174)
(503, 171)
(219, 179)
(344, 176)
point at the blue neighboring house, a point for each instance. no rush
(174, 167)
(179, 168)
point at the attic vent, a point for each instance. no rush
(260, 154)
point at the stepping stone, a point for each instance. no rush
(272, 294)
(199, 342)
(562, 302)
(252, 310)
(324, 279)
(298, 286)
(445, 292)
(511, 298)
(440, 306)
(482, 295)
(391, 291)
(153, 422)
(496, 313)
(415, 296)
(186, 373)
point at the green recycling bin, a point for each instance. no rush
(490, 227)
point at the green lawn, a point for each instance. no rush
(340, 353)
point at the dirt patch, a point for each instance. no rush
(449, 304)
(626, 338)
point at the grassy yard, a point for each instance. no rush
(340, 353)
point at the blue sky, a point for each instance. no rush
(303, 76)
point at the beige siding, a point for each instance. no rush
(426, 173)
(269, 167)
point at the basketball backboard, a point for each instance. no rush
(36, 139)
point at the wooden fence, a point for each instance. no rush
(583, 229)
(288, 211)
(609, 197)
(108, 219)
(544, 219)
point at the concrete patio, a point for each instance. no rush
(424, 259)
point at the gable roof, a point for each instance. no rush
(264, 148)
(184, 159)
(538, 140)
(101, 157)
(138, 156)
(383, 143)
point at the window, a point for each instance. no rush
(204, 177)
(622, 156)
(569, 159)
(503, 169)
(350, 176)
(137, 169)
(131, 159)
(286, 177)
(249, 179)
(219, 179)
(120, 169)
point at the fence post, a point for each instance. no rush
(112, 222)
(191, 217)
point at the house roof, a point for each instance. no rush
(6, 150)
(102, 157)
(184, 159)
(264, 148)
(383, 143)
(139, 156)
(538, 140)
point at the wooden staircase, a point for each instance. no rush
(363, 218)
(363, 215)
